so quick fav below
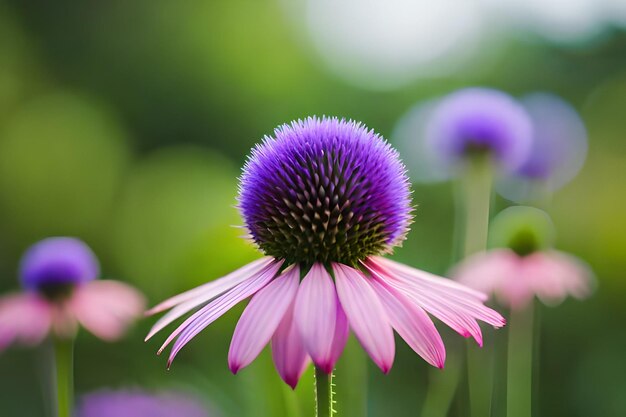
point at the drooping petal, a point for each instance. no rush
(428, 280)
(261, 318)
(499, 272)
(342, 331)
(554, 275)
(106, 308)
(315, 314)
(458, 310)
(214, 288)
(191, 299)
(24, 318)
(366, 315)
(412, 324)
(485, 271)
(64, 321)
(290, 357)
(216, 308)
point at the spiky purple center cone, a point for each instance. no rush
(325, 190)
(54, 265)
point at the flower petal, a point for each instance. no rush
(216, 308)
(485, 271)
(212, 289)
(106, 308)
(24, 318)
(261, 318)
(342, 331)
(499, 271)
(315, 314)
(553, 275)
(428, 280)
(412, 324)
(459, 310)
(290, 357)
(366, 315)
(191, 299)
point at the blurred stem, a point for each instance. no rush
(353, 388)
(520, 358)
(477, 199)
(477, 189)
(323, 393)
(442, 385)
(291, 401)
(63, 361)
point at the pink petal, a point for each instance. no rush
(288, 352)
(427, 280)
(412, 323)
(366, 315)
(216, 308)
(64, 322)
(485, 271)
(342, 331)
(315, 314)
(457, 309)
(214, 288)
(106, 308)
(261, 318)
(553, 275)
(498, 271)
(191, 299)
(24, 318)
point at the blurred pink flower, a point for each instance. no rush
(61, 291)
(550, 275)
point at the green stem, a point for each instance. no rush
(442, 386)
(477, 198)
(520, 364)
(63, 360)
(477, 189)
(323, 393)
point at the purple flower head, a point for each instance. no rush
(57, 262)
(480, 121)
(136, 403)
(323, 198)
(559, 140)
(325, 190)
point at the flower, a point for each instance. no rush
(558, 151)
(526, 266)
(476, 121)
(323, 199)
(58, 275)
(138, 403)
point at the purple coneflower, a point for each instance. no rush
(324, 199)
(138, 403)
(60, 291)
(475, 122)
(558, 151)
(526, 266)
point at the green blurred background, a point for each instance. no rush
(126, 124)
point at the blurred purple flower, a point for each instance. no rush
(137, 403)
(323, 199)
(59, 277)
(476, 121)
(56, 262)
(558, 151)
